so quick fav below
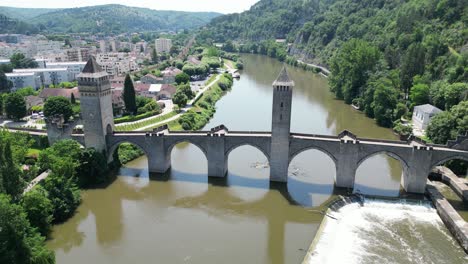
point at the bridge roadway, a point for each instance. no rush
(346, 150)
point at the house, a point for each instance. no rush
(143, 89)
(117, 101)
(151, 79)
(32, 100)
(48, 92)
(423, 114)
(169, 74)
(166, 91)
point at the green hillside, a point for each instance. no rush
(24, 13)
(14, 26)
(108, 19)
(119, 19)
(386, 56)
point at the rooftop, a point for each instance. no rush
(428, 108)
(283, 78)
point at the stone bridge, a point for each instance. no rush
(346, 150)
(280, 146)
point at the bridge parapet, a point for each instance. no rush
(460, 143)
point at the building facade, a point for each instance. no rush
(163, 45)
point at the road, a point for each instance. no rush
(185, 109)
(36, 180)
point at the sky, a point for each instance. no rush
(221, 6)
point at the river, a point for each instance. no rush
(184, 217)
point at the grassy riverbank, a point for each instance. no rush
(148, 122)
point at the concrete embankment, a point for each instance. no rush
(458, 185)
(454, 222)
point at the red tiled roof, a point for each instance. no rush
(48, 92)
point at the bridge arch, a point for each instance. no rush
(386, 152)
(322, 150)
(449, 158)
(115, 146)
(198, 145)
(234, 147)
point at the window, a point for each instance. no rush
(281, 117)
(281, 104)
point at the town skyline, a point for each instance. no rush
(225, 7)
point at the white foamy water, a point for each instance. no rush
(386, 232)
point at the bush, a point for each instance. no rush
(39, 209)
(64, 195)
(128, 152)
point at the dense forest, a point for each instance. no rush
(386, 56)
(106, 19)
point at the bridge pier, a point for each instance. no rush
(159, 158)
(415, 174)
(346, 164)
(217, 161)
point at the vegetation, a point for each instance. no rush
(129, 95)
(15, 106)
(204, 109)
(113, 19)
(19, 241)
(182, 78)
(39, 209)
(147, 122)
(128, 152)
(19, 61)
(58, 106)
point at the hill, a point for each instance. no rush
(14, 26)
(24, 13)
(109, 19)
(386, 56)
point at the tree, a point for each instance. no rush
(19, 242)
(187, 90)
(72, 99)
(5, 84)
(412, 64)
(442, 128)
(19, 61)
(385, 100)
(351, 68)
(180, 99)
(10, 174)
(182, 78)
(58, 106)
(154, 56)
(63, 193)
(455, 93)
(15, 106)
(93, 168)
(26, 91)
(129, 95)
(38, 209)
(419, 94)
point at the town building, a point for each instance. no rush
(169, 74)
(116, 63)
(23, 79)
(151, 79)
(423, 114)
(73, 68)
(163, 45)
(67, 93)
(46, 76)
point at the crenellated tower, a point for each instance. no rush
(280, 127)
(96, 105)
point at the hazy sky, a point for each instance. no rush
(222, 6)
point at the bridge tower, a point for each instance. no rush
(280, 127)
(96, 105)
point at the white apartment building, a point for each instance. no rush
(163, 45)
(73, 68)
(47, 76)
(116, 63)
(23, 79)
